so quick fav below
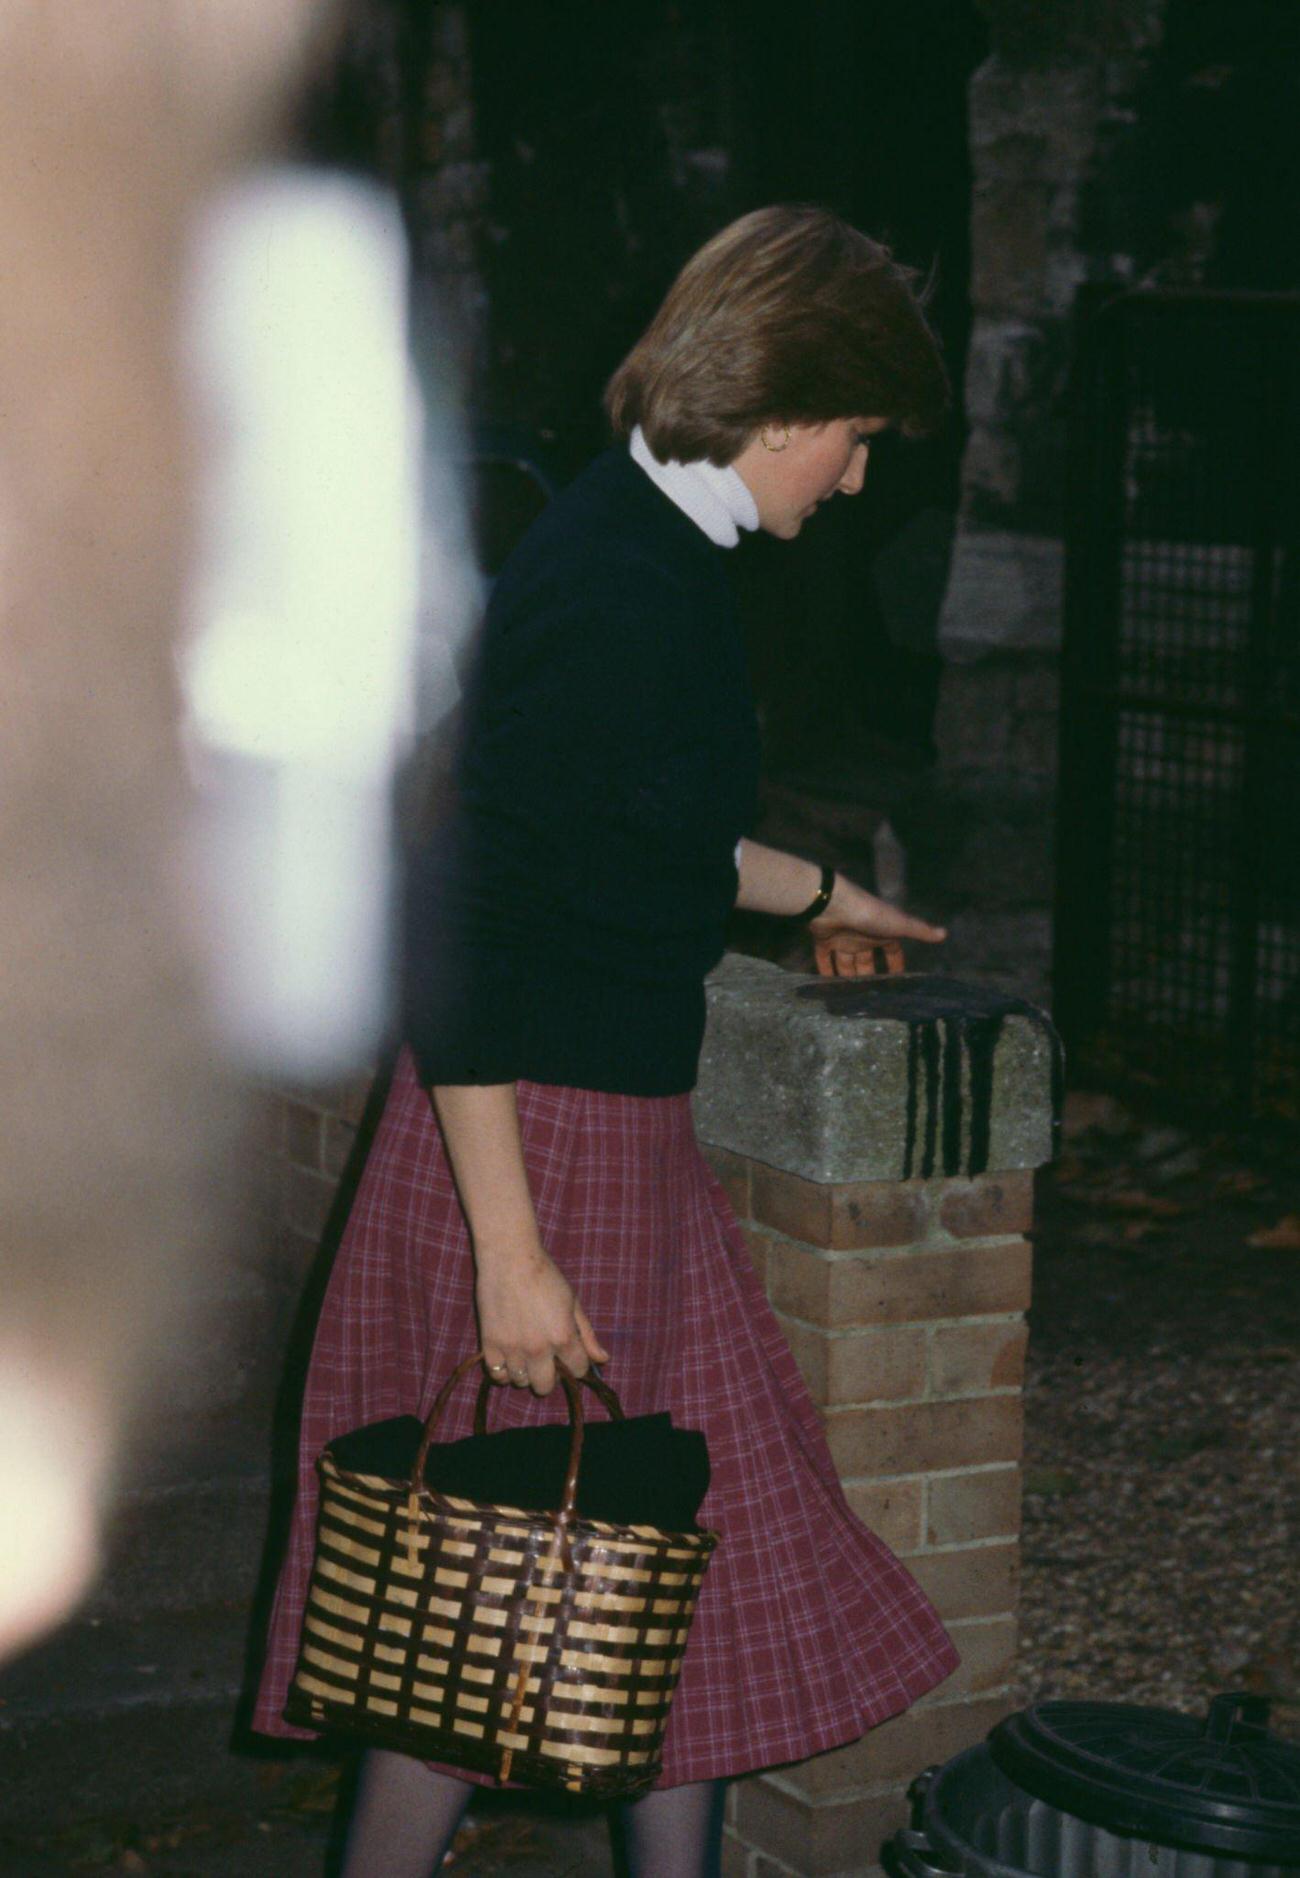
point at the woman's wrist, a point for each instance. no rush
(782, 885)
(827, 882)
(846, 900)
(502, 1250)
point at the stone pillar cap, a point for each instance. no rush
(903, 1078)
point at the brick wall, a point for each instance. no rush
(904, 1305)
(312, 1134)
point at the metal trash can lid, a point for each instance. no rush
(1224, 1784)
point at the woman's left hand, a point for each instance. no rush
(859, 935)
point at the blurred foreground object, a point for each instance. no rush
(116, 121)
(301, 674)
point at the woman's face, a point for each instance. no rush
(820, 460)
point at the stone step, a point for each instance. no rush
(126, 1717)
(183, 1547)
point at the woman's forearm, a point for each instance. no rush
(774, 882)
(847, 929)
(480, 1125)
(528, 1315)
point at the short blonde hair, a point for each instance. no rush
(790, 316)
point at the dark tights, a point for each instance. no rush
(675, 1832)
(405, 1816)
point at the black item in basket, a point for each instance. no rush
(638, 1471)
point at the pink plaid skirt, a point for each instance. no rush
(808, 1630)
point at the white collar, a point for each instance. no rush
(717, 500)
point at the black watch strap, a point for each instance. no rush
(820, 901)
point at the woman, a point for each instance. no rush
(535, 1186)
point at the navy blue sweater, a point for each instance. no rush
(560, 923)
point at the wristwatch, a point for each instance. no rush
(820, 900)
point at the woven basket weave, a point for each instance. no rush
(539, 1647)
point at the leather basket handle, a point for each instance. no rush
(564, 1513)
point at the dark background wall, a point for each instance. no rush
(607, 144)
(560, 158)
(866, 111)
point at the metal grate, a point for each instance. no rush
(1178, 897)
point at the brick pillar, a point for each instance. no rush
(903, 1300)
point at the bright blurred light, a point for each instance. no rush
(300, 673)
(52, 1461)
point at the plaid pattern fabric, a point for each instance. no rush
(808, 1630)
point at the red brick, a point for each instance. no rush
(818, 1836)
(988, 1656)
(322, 1096)
(843, 1217)
(296, 1251)
(760, 1246)
(879, 1213)
(350, 1101)
(922, 1437)
(970, 1281)
(799, 1280)
(733, 1171)
(891, 1509)
(809, 1348)
(840, 1773)
(877, 1366)
(801, 1208)
(903, 1747)
(262, 1189)
(302, 1135)
(968, 1358)
(267, 1120)
(962, 1507)
(976, 1581)
(868, 1366)
(308, 1201)
(897, 1750)
(735, 1857)
(340, 1140)
(987, 1207)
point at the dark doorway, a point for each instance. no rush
(864, 108)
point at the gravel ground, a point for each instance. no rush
(1162, 1506)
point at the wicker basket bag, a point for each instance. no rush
(539, 1647)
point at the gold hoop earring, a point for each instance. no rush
(775, 448)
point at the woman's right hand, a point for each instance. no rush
(528, 1315)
